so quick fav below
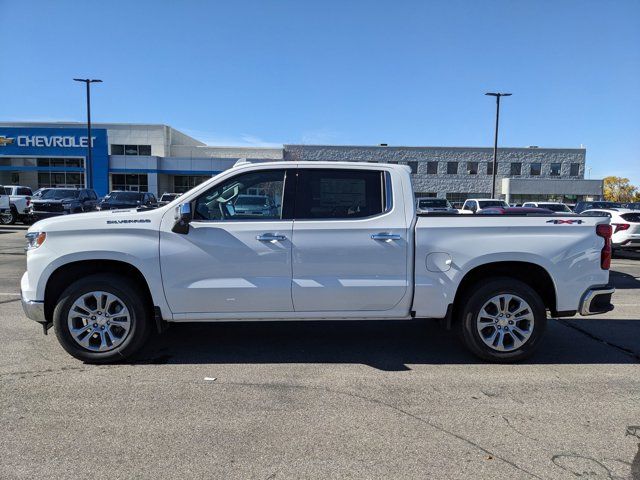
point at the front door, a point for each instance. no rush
(350, 245)
(236, 256)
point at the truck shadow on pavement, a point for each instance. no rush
(623, 281)
(384, 345)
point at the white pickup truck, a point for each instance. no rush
(340, 241)
(4, 204)
(19, 199)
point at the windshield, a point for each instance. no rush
(492, 203)
(252, 201)
(555, 207)
(168, 197)
(60, 194)
(124, 196)
(7, 190)
(433, 203)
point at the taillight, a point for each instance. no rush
(28, 201)
(620, 227)
(604, 231)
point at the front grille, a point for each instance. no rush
(47, 207)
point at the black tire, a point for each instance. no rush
(476, 298)
(127, 291)
(9, 217)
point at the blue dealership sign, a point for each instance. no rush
(59, 142)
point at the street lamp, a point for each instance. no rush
(89, 166)
(495, 142)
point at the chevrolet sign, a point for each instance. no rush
(53, 141)
(6, 141)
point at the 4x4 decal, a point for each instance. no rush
(562, 222)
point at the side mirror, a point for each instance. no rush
(184, 219)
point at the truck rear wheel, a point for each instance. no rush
(9, 217)
(503, 320)
(102, 319)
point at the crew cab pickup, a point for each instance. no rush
(342, 242)
(4, 204)
(19, 199)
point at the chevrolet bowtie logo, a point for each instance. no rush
(6, 141)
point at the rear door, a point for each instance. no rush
(349, 241)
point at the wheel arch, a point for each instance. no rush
(534, 275)
(65, 274)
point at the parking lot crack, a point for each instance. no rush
(400, 411)
(9, 301)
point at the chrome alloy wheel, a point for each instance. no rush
(6, 217)
(99, 321)
(505, 322)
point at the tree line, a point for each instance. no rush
(620, 189)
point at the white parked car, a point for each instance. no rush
(475, 205)
(625, 223)
(20, 201)
(167, 198)
(344, 243)
(553, 206)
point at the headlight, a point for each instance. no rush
(35, 239)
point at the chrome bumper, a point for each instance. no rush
(597, 300)
(33, 309)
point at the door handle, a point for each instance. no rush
(270, 237)
(386, 236)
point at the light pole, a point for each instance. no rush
(495, 142)
(89, 166)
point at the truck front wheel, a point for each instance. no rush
(102, 319)
(503, 320)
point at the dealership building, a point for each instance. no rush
(159, 158)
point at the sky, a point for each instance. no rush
(410, 73)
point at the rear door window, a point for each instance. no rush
(631, 217)
(339, 193)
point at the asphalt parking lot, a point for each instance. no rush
(322, 400)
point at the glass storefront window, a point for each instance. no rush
(131, 182)
(61, 179)
(184, 183)
(144, 149)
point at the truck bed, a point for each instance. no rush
(448, 248)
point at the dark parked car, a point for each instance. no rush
(582, 206)
(632, 205)
(122, 199)
(63, 201)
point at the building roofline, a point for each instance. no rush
(441, 147)
(35, 122)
